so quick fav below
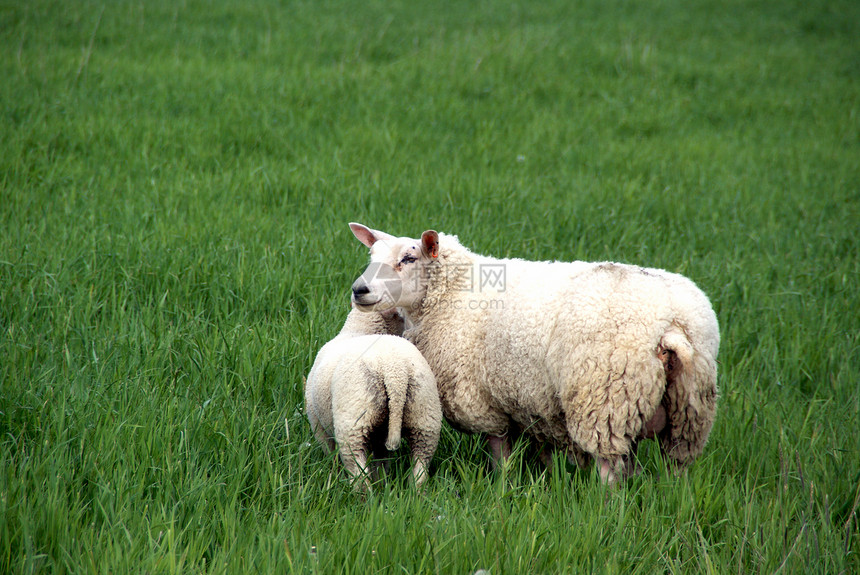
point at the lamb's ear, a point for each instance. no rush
(390, 313)
(430, 243)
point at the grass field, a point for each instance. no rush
(175, 184)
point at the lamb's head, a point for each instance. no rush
(396, 276)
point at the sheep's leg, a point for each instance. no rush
(578, 457)
(689, 405)
(574, 455)
(656, 424)
(631, 464)
(611, 470)
(598, 440)
(500, 449)
(545, 455)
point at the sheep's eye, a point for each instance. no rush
(408, 259)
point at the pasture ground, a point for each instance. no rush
(175, 184)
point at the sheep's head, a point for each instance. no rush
(396, 276)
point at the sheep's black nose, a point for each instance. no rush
(360, 288)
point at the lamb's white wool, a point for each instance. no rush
(367, 377)
(583, 356)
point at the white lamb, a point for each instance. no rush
(367, 377)
(586, 357)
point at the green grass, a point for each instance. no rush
(175, 184)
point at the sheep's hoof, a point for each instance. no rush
(500, 450)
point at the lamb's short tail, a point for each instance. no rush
(691, 396)
(395, 388)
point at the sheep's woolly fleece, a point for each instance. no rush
(582, 356)
(367, 377)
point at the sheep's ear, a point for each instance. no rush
(368, 236)
(363, 233)
(430, 243)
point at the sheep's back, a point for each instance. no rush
(564, 324)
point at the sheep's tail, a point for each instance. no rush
(395, 388)
(691, 396)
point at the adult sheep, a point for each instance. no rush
(586, 357)
(367, 384)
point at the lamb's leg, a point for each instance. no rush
(355, 463)
(420, 471)
(423, 445)
(500, 449)
(381, 461)
(324, 436)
